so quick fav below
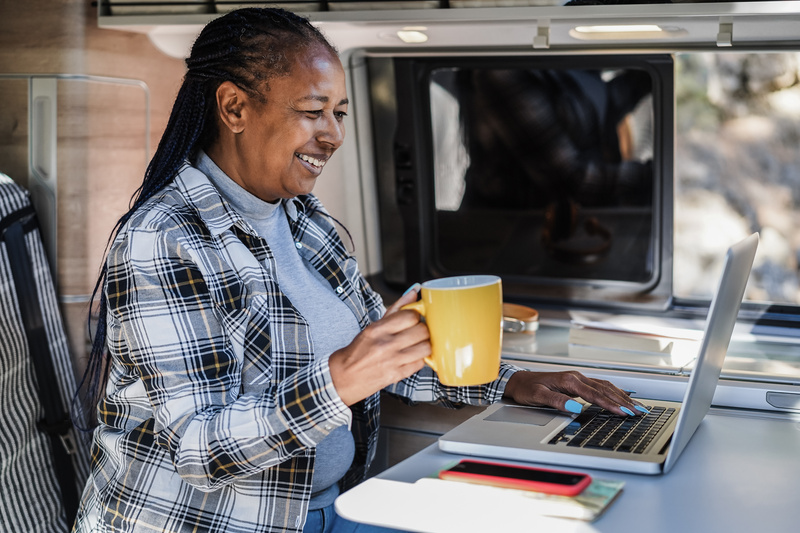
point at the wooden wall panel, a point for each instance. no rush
(14, 129)
(102, 149)
(42, 36)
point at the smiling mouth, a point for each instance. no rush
(313, 161)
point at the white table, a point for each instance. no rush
(739, 473)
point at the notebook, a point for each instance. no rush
(522, 433)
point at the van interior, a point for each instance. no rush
(599, 156)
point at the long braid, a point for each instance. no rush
(247, 47)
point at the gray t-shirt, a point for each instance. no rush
(331, 323)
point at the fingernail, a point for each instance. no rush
(626, 411)
(628, 392)
(414, 287)
(574, 407)
(642, 409)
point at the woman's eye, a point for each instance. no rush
(317, 113)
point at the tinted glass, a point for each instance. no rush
(544, 172)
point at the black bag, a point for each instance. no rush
(44, 463)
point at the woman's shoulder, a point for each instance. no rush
(168, 209)
(178, 207)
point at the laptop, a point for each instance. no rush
(647, 444)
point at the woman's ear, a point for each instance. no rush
(230, 102)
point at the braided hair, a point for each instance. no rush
(247, 47)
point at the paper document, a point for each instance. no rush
(642, 325)
(438, 506)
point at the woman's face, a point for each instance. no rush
(288, 139)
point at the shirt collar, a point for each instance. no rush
(216, 212)
(293, 208)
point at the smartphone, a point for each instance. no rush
(518, 477)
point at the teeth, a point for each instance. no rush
(313, 161)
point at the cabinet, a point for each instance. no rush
(527, 24)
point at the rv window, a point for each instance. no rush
(547, 171)
(539, 169)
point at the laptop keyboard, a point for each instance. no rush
(600, 429)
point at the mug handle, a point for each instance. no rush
(419, 307)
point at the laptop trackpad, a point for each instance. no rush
(523, 415)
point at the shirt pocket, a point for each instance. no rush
(230, 296)
(236, 279)
(278, 341)
(257, 366)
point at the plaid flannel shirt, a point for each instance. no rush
(215, 402)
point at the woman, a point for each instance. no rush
(245, 351)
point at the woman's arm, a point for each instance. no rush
(554, 389)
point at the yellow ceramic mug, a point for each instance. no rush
(464, 316)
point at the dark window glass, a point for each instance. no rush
(544, 173)
(550, 172)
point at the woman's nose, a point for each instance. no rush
(332, 133)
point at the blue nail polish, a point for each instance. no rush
(414, 287)
(642, 409)
(574, 407)
(628, 392)
(626, 411)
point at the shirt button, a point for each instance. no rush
(298, 245)
(339, 289)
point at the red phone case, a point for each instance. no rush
(521, 484)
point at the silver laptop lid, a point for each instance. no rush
(721, 319)
(486, 435)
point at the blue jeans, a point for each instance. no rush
(326, 520)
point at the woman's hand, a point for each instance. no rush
(557, 389)
(387, 351)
